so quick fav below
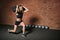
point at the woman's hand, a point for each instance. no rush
(16, 13)
(25, 9)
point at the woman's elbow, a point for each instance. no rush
(26, 10)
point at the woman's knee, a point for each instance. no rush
(22, 24)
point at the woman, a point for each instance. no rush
(19, 13)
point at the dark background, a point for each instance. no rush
(41, 12)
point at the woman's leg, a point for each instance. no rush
(13, 30)
(15, 26)
(23, 29)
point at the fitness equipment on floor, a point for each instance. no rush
(29, 27)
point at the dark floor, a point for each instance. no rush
(36, 34)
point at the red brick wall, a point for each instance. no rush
(42, 12)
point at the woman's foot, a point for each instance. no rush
(10, 30)
(23, 35)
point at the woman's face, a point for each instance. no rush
(20, 8)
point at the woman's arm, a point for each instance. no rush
(16, 9)
(25, 9)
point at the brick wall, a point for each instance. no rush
(41, 12)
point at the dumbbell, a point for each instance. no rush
(36, 26)
(43, 27)
(46, 27)
(39, 26)
(33, 26)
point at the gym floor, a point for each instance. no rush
(36, 34)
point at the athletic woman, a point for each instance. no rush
(19, 13)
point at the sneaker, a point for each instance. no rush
(11, 32)
(8, 30)
(23, 35)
